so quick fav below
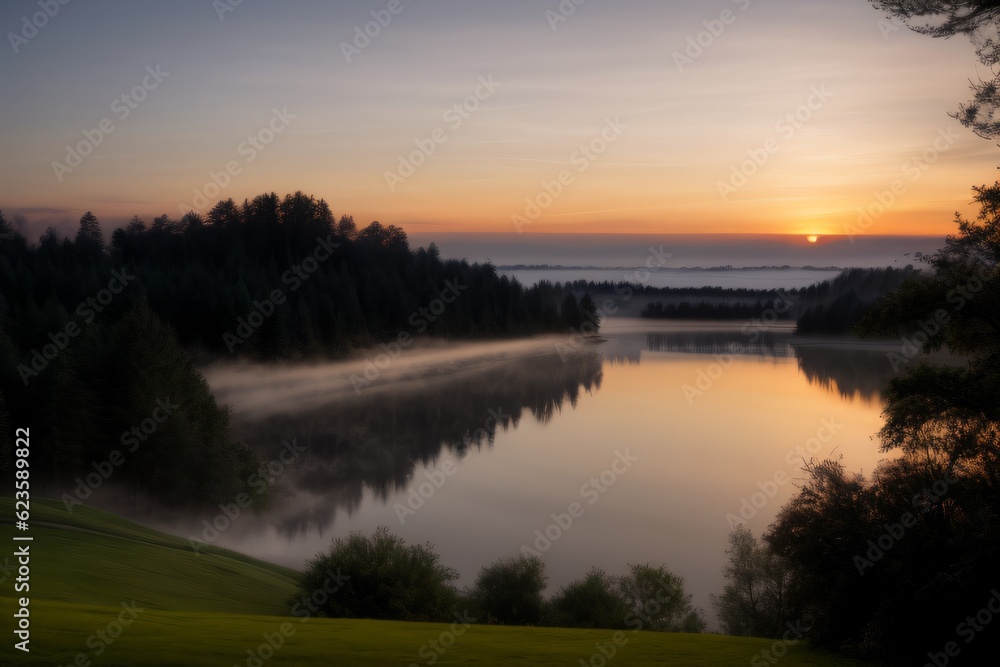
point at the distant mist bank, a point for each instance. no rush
(687, 250)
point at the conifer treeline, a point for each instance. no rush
(95, 338)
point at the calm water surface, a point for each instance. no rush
(704, 415)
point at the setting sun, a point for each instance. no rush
(812, 238)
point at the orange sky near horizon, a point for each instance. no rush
(793, 119)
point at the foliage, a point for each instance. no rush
(882, 560)
(830, 306)
(91, 337)
(595, 601)
(839, 305)
(646, 598)
(123, 396)
(755, 601)
(509, 591)
(379, 577)
(976, 19)
(656, 600)
(213, 608)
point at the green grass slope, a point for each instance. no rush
(161, 638)
(220, 608)
(93, 557)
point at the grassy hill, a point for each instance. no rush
(219, 608)
(93, 557)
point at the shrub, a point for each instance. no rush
(380, 577)
(509, 591)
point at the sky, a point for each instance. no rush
(640, 116)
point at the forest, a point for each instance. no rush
(96, 337)
(834, 306)
(899, 565)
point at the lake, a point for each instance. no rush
(641, 446)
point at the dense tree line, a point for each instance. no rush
(93, 335)
(830, 306)
(703, 310)
(386, 578)
(838, 305)
(629, 289)
(902, 565)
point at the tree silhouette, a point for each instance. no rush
(89, 231)
(979, 20)
(873, 556)
(756, 599)
(509, 591)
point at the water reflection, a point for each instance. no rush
(849, 371)
(851, 368)
(375, 439)
(527, 422)
(754, 343)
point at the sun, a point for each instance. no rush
(812, 238)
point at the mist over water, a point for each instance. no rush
(526, 426)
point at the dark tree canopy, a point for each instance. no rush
(271, 278)
(509, 591)
(872, 557)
